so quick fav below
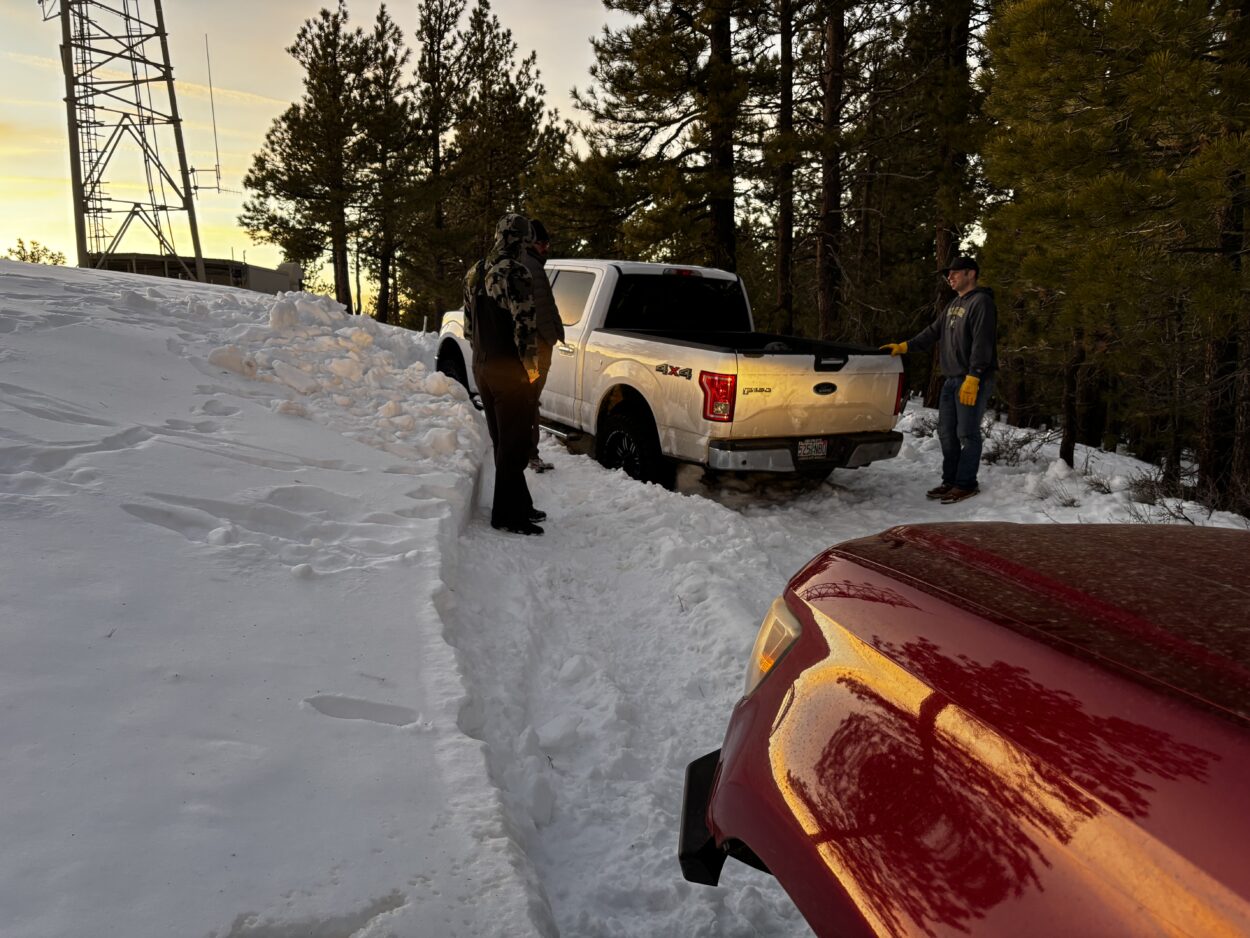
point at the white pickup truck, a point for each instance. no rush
(661, 363)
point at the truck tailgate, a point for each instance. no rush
(802, 395)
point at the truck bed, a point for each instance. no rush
(830, 355)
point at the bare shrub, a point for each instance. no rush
(1156, 502)
(1011, 446)
(1098, 483)
(924, 425)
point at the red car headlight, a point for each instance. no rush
(778, 632)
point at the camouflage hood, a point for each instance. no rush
(511, 235)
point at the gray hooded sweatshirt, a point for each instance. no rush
(968, 331)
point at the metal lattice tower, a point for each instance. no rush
(119, 98)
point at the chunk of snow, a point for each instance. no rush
(294, 378)
(283, 315)
(346, 368)
(233, 358)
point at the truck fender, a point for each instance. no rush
(626, 437)
(454, 353)
(621, 378)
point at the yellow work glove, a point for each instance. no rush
(896, 348)
(968, 390)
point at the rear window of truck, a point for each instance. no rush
(674, 303)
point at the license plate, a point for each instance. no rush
(815, 448)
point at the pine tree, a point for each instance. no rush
(501, 129)
(833, 87)
(1118, 161)
(305, 179)
(665, 106)
(786, 146)
(432, 265)
(390, 134)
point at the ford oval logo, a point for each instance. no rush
(825, 387)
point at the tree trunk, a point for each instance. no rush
(1071, 383)
(1224, 443)
(785, 176)
(359, 292)
(951, 119)
(828, 264)
(339, 257)
(1216, 430)
(383, 311)
(722, 97)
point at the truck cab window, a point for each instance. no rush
(571, 290)
(678, 304)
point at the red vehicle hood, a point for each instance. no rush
(1166, 605)
(1029, 729)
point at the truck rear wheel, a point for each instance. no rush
(628, 441)
(451, 363)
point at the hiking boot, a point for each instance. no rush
(536, 515)
(939, 492)
(538, 464)
(517, 527)
(956, 494)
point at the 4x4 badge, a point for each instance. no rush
(674, 371)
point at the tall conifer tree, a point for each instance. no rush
(305, 180)
(665, 105)
(389, 151)
(1117, 159)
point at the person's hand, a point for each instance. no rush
(532, 372)
(896, 348)
(968, 390)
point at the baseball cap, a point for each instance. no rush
(961, 263)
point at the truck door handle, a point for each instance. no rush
(565, 349)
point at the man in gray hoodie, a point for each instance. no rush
(967, 329)
(550, 329)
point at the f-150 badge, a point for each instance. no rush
(674, 371)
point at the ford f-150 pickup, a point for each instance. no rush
(662, 363)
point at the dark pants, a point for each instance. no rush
(959, 431)
(507, 401)
(544, 366)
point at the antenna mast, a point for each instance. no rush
(120, 102)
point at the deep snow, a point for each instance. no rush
(265, 670)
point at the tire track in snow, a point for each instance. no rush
(600, 659)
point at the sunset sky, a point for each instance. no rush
(254, 80)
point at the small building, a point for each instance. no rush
(228, 273)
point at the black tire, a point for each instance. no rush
(627, 440)
(451, 363)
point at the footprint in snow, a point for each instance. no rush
(353, 708)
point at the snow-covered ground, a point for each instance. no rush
(266, 672)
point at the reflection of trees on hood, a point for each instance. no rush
(890, 783)
(1106, 756)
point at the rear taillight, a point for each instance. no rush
(718, 395)
(898, 398)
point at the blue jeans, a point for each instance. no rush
(959, 432)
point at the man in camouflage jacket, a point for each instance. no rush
(546, 321)
(505, 364)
